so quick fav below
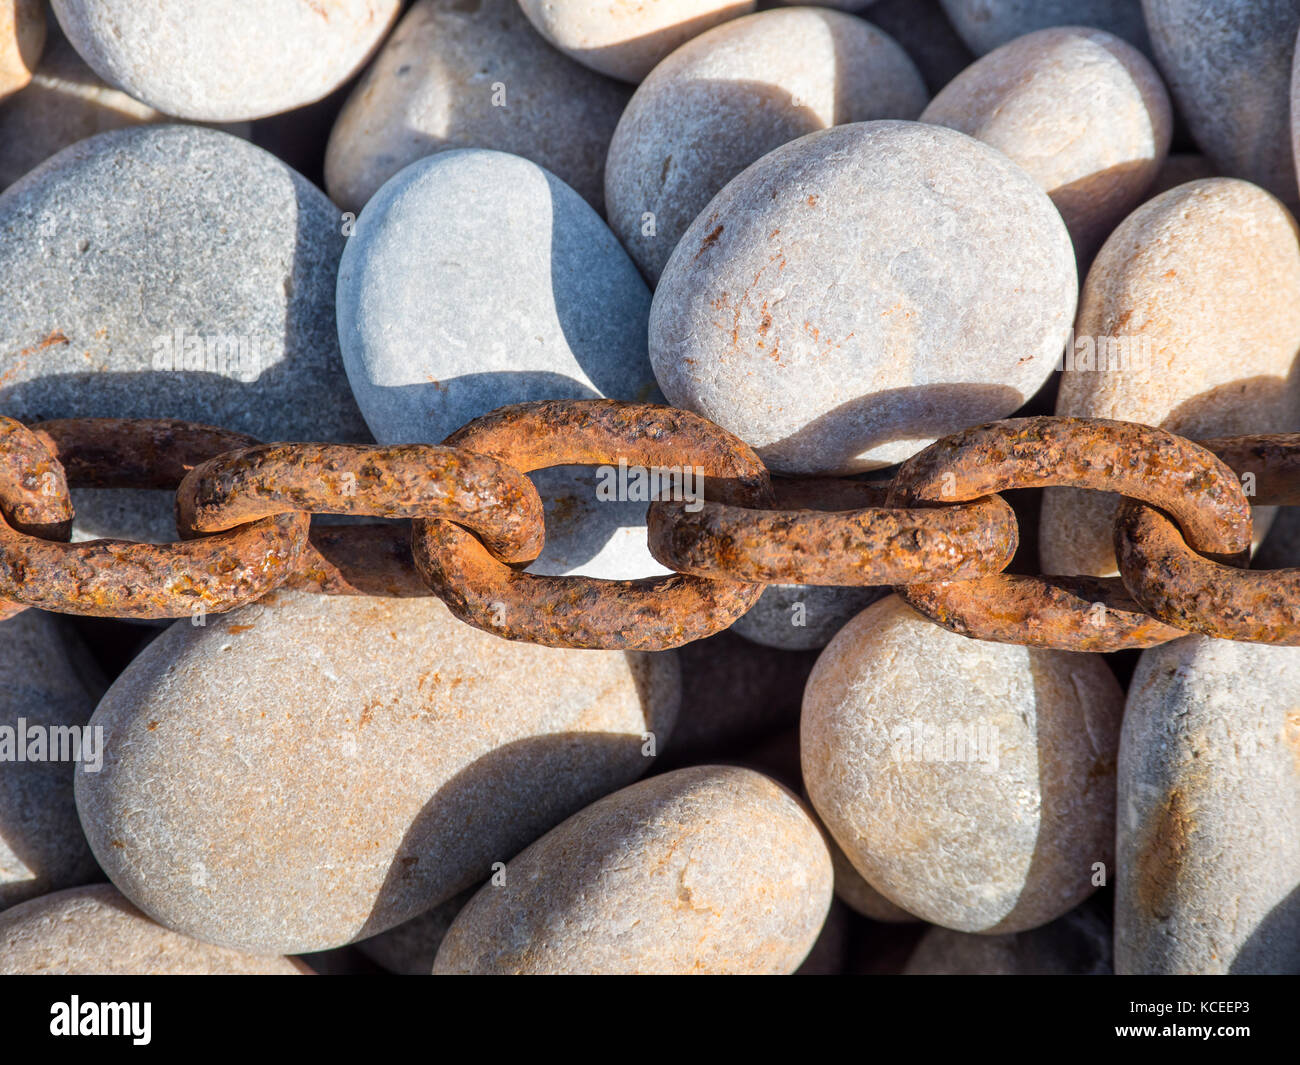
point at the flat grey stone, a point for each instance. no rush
(1228, 65)
(986, 24)
(137, 244)
(861, 291)
(801, 617)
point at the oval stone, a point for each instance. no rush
(1175, 287)
(1081, 111)
(626, 40)
(861, 291)
(22, 37)
(1208, 855)
(113, 313)
(925, 33)
(226, 60)
(711, 869)
(730, 96)
(48, 689)
(988, 24)
(95, 931)
(970, 783)
(1228, 65)
(458, 75)
(427, 351)
(312, 770)
(852, 889)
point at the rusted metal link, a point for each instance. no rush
(497, 502)
(34, 496)
(1181, 587)
(1072, 613)
(114, 578)
(647, 615)
(833, 532)
(1193, 485)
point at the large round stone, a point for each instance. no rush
(970, 783)
(311, 770)
(861, 291)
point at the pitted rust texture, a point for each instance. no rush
(497, 502)
(646, 615)
(819, 536)
(1272, 459)
(1183, 588)
(1067, 613)
(114, 578)
(33, 486)
(1070, 613)
(134, 452)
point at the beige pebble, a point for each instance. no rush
(95, 931)
(970, 783)
(1208, 854)
(1201, 288)
(1083, 112)
(312, 770)
(457, 75)
(22, 37)
(730, 96)
(711, 869)
(626, 38)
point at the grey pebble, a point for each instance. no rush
(802, 617)
(458, 75)
(986, 24)
(137, 244)
(1228, 66)
(1208, 851)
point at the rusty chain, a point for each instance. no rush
(939, 531)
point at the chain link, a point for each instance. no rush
(940, 531)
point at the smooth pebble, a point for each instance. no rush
(707, 870)
(802, 617)
(971, 783)
(988, 24)
(458, 75)
(319, 769)
(806, 310)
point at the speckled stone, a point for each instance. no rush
(472, 75)
(861, 291)
(1178, 169)
(1081, 111)
(122, 243)
(712, 869)
(626, 40)
(426, 352)
(1181, 278)
(971, 783)
(315, 770)
(47, 681)
(733, 94)
(22, 36)
(409, 949)
(1208, 873)
(226, 60)
(94, 931)
(987, 24)
(1228, 66)
(1078, 944)
(925, 33)
(802, 617)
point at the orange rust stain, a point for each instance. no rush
(239, 628)
(812, 201)
(709, 241)
(1162, 855)
(152, 725)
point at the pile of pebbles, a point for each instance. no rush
(839, 232)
